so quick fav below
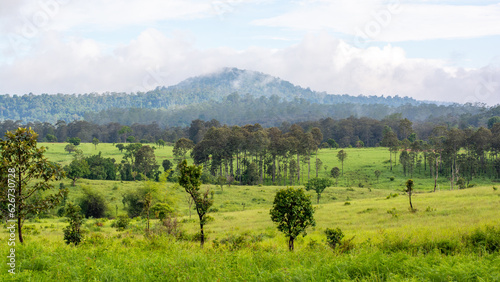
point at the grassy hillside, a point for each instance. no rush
(453, 235)
(244, 244)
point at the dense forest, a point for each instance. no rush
(262, 98)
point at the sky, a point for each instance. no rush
(439, 50)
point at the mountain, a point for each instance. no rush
(191, 93)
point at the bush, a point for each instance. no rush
(73, 233)
(392, 178)
(93, 204)
(334, 237)
(487, 239)
(121, 223)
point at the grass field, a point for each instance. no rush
(446, 239)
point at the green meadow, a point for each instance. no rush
(453, 236)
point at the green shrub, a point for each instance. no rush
(93, 204)
(334, 237)
(121, 223)
(73, 232)
(487, 239)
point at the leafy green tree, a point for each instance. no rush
(492, 121)
(409, 189)
(26, 171)
(131, 139)
(72, 232)
(318, 164)
(181, 147)
(78, 168)
(390, 140)
(124, 131)
(70, 148)
(75, 141)
(120, 147)
(167, 164)
(51, 138)
(145, 162)
(335, 173)
(342, 156)
(161, 143)
(318, 185)
(93, 203)
(333, 144)
(189, 178)
(95, 141)
(293, 212)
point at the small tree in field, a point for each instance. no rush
(342, 156)
(409, 190)
(73, 233)
(318, 185)
(335, 173)
(293, 212)
(27, 173)
(189, 178)
(95, 141)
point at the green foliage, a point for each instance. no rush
(121, 223)
(189, 178)
(318, 185)
(78, 168)
(75, 141)
(162, 210)
(101, 168)
(293, 212)
(70, 148)
(334, 237)
(93, 204)
(24, 165)
(462, 183)
(95, 141)
(73, 233)
(487, 239)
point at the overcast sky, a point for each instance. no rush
(429, 50)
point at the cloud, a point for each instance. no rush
(392, 20)
(319, 61)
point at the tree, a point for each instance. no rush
(145, 162)
(181, 147)
(95, 141)
(166, 164)
(293, 212)
(318, 185)
(124, 131)
(130, 139)
(74, 140)
(335, 173)
(51, 138)
(492, 121)
(342, 156)
(333, 144)
(22, 167)
(93, 203)
(409, 190)
(389, 140)
(160, 143)
(70, 148)
(189, 178)
(319, 164)
(78, 168)
(73, 232)
(120, 147)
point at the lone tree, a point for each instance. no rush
(335, 173)
(409, 190)
(95, 141)
(342, 156)
(293, 212)
(22, 166)
(73, 232)
(189, 178)
(319, 185)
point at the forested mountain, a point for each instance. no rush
(194, 93)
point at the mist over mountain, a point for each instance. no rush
(202, 96)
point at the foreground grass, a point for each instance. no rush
(164, 259)
(244, 245)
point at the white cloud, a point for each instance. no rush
(320, 62)
(392, 20)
